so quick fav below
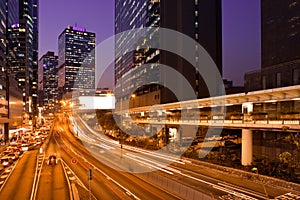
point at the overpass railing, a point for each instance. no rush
(278, 124)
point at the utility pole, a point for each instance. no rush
(90, 179)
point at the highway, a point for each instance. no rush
(117, 173)
(18, 184)
(165, 166)
(52, 183)
(106, 183)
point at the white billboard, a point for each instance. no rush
(96, 102)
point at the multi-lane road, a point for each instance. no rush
(91, 166)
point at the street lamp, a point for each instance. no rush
(255, 170)
(133, 97)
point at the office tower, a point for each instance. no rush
(280, 46)
(76, 61)
(24, 38)
(8, 16)
(12, 8)
(3, 90)
(3, 20)
(280, 26)
(35, 53)
(47, 80)
(28, 19)
(200, 20)
(125, 19)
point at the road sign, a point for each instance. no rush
(74, 160)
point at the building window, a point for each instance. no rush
(295, 76)
(278, 79)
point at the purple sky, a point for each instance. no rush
(241, 30)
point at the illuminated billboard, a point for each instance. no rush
(96, 102)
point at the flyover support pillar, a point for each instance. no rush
(247, 152)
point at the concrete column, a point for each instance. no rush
(247, 151)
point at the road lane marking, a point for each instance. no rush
(37, 174)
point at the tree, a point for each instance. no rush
(294, 139)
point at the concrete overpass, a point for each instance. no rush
(276, 109)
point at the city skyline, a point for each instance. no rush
(241, 46)
(165, 121)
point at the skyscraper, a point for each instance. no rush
(35, 53)
(280, 31)
(76, 60)
(3, 90)
(47, 80)
(200, 20)
(3, 20)
(8, 16)
(24, 42)
(12, 12)
(280, 46)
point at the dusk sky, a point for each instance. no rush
(241, 30)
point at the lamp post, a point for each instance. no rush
(133, 97)
(255, 170)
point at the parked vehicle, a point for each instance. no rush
(14, 156)
(19, 151)
(28, 147)
(6, 161)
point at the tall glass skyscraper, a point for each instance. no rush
(12, 12)
(35, 53)
(3, 20)
(47, 80)
(200, 20)
(24, 43)
(8, 16)
(76, 60)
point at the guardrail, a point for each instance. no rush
(38, 169)
(277, 124)
(72, 180)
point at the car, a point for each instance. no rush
(6, 152)
(25, 147)
(39, 142)
(6, 161)
(10, 148)
(14, 156)
(28, 147)
(19, 151)
(52, 160)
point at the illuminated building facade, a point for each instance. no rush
(9, 100)
(47, 80)
(76, 60)
(200, 20)
(23, 36)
